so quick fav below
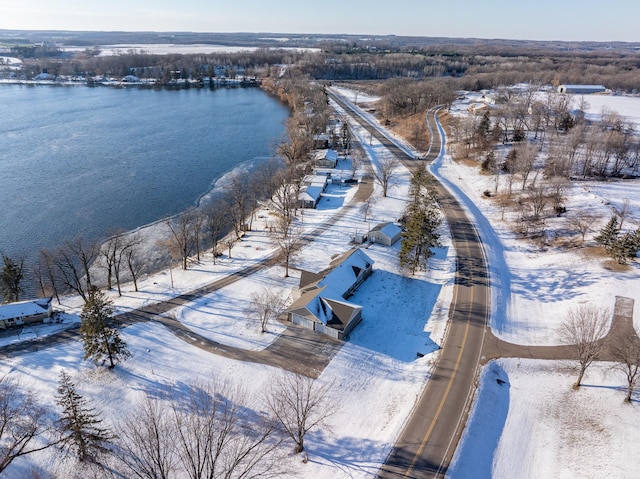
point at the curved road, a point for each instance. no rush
(428, 441)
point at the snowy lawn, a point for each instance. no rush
(528, 422)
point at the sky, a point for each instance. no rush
(570, 20)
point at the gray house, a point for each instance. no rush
(322, 305)
(326, 158)
(385, 233)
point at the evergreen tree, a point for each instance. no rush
(101, 342)
(608, 233)
(11, 276)
(625, 246)
(79, 426)
(422, 220)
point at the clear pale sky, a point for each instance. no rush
(513, 19)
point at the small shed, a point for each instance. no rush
(385, 234)
(25, 312)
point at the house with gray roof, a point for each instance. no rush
(322, 305)
(25, 312)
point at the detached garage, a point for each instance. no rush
(385, 233)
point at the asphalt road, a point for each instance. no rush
(426, 445)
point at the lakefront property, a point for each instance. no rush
(25, 312)
(322, 305)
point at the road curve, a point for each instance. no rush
(427, 443)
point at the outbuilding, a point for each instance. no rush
(385, 233)
(582, 89)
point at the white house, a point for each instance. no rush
(582, 89)
(312, 188)
(322, 305)
(309, 196)
(25, 312)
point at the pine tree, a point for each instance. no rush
(422, 221)
(80, 426)
(625, 246)
(101, 342)
(11, 276)
(609, 233)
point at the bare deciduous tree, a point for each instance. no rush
(266, 305)
(218, 435)
(181, 241)
(288, 238)
(22, 423)
(73, 261)
(299, 404)
(626, 352)
(584, 329)
(46, 274)
(583, 221)
(240, 200)
(386, 173)
(366, 207)
(110, 252)
(217, 224)
(146, 445)
(285, 197)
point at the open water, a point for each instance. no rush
(85, 161)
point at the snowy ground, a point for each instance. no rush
(535, 425)
(377, 376)
(170, 48)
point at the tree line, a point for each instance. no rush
(464, 66)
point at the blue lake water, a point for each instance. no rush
(84, 161)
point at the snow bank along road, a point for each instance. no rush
(428, 441)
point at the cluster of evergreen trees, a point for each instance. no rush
(421, 222)
(618, 244)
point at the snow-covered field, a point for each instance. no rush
(533, 425)
(170, 48)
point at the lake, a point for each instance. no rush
(85, 161)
